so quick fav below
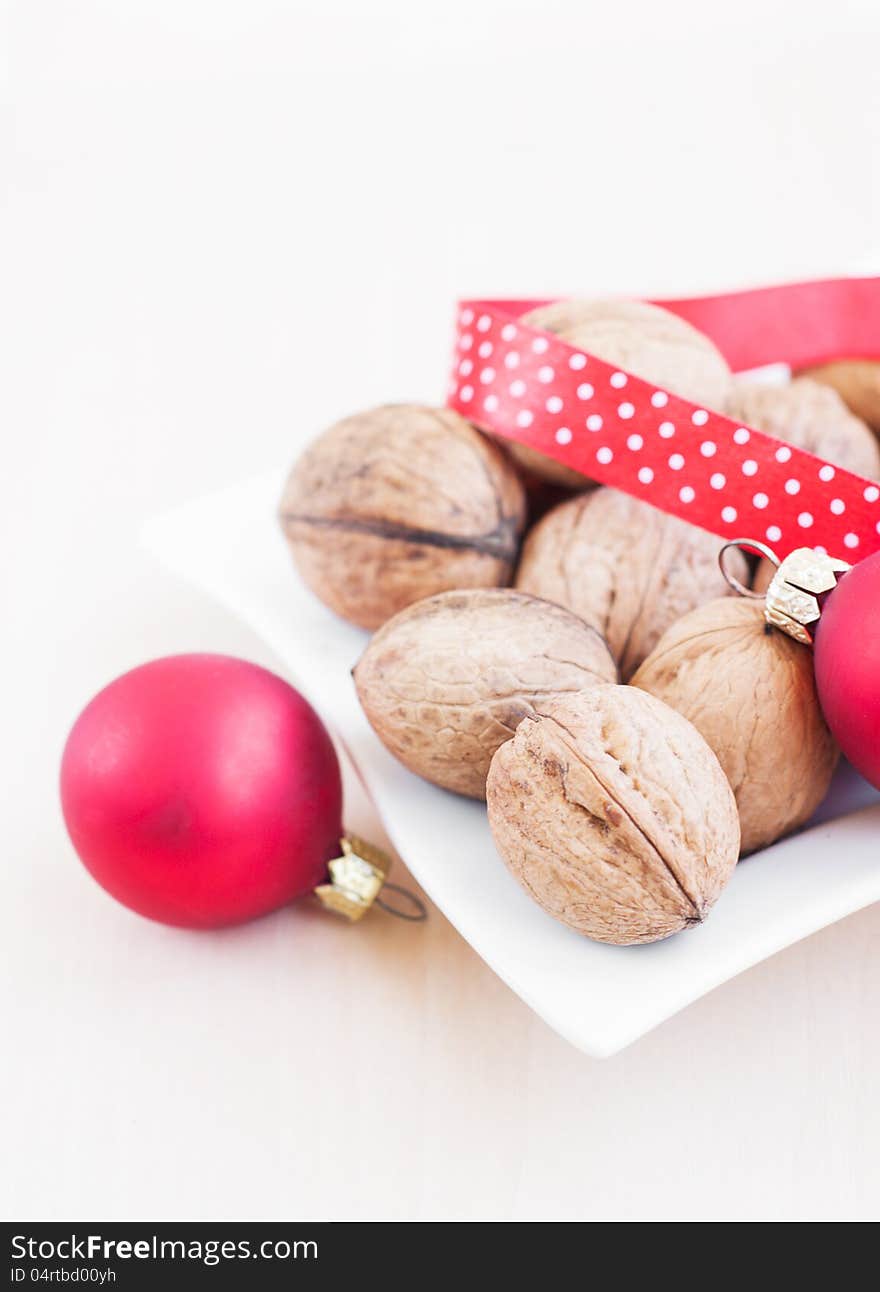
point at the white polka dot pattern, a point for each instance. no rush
(614, 427)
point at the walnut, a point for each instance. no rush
(812, 417)
(613, 813)
(624, 567)
(857, 381)
(749, 690)
(647, 341)
(392, 505)
(446, 681)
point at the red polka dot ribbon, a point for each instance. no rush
(524, 384)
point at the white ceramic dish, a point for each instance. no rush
(600, 998)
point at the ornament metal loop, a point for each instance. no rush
(748, 545)
(419, 909)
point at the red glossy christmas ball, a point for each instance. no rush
(202, 790)
(847, 656)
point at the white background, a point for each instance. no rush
(223, 225)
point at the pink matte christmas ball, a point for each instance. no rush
(847, 651)
(201, 790)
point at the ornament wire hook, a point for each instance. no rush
(745, 545)
(419, 911)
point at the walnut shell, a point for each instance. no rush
(613, 813)
(812, 417)
(749, 690)
(645, 340)
(624, 567)
(392, 505)
(857, 381)
(446, 681)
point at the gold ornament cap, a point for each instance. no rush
(791, 602)
(357, 878)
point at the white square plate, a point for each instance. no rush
(600, 998)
